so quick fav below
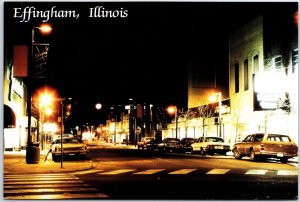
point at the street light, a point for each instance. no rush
(173, 110)
(30, 152)
(213, 98)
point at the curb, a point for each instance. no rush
(18, 165)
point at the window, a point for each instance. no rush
(236, 77)
(255, 64)
(247, 139)
(295, 60)
(258, 138)
(277, 63)
(246, 75)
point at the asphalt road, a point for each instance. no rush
(132, 174)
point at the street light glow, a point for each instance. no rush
(213, 98)
(45, 99)
(171, 110)
(98, 106)
(45, 28)
(48, 111)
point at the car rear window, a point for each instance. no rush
(278, 138)
(214, 139)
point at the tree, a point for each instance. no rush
(284, 103)
(186, 117)
(205, 112)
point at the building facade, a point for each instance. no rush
(263, 76)
(263, 84)
(14, 100)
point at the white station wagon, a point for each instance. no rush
(210, 145)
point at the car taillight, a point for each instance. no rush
(262, 146)
(210, 146)
(295, 148)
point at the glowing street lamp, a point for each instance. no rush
(98, 106)
(213, 98)
(173, 110)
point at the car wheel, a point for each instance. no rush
(54, 158)
(202, 152)
(252, 155)
(283, 160)
(237, 154)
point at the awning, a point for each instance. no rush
(9, 117)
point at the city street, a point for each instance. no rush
(122, 172)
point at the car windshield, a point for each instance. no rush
(214, 139)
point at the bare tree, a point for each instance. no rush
(186, 117)
(205, 112)
(284, 104)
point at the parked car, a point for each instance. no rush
(71, 146)
(262, 146)
(143, 143)
(210, 145)
(153, 144)
(170, 144)
(187, 142)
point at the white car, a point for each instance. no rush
(71, 146)
(210, 145)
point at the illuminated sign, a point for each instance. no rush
(17, 87)
(268, 88)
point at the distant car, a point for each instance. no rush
(210, 145)
(186, 143)
(170, 144)
(153, 144)
(143, 143)
(262, 146)
(71, 146)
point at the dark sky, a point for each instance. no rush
(145, 55)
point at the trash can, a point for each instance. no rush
(33, 153)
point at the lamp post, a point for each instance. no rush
(61, 131)
(173, 110)
(62, 104)
(30, 154)
(213, 99)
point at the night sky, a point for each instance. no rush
(145, 55)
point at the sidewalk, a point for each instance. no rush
(15, 163)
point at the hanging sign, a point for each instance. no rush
(40, 60)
